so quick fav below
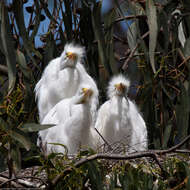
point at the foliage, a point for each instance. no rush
(104, 174)
(153, 56)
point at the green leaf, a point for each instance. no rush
(96, 23)
(182, 113)
(108, 20)
(21, 137)
(187, 48)
(16, 156)
(23, 66)
(153, 29)
(33, 127)
(8, 45)
(28, 44)
(167, 133)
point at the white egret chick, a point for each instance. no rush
(62, 78)
(118, 118)
(73, 121)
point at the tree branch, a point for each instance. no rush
(17, 178)
(150, 153)
(3, 69)
(130, 17)
(133, 51)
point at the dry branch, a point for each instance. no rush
(26, 184)
(134, 50)
(130, 17)
(3, 69)
(150, 153)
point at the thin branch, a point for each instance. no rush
(183, 151)
(17, 178)
(149, 153)
(48, 14)
(102, 156)
(103, 139)
(4, 69)
(173, 148)
(130, 17)
(14, 184)
(133, 51)
(138, 54)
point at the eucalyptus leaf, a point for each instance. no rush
(96, 23)
(8, 45)
(167, 133)
(108, 20)
(16, 156)
(153, 29)
(33, 127)
(21, 137)
(182, 114)
(22, 64)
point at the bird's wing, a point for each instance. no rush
(65, 133)
(101, 123)
(139, 135)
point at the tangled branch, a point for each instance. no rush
(150, 153)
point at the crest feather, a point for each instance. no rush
(117, 80)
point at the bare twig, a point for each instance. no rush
(3, 180)
(173, 148)
(138, 54)
(133, 51)
(130, 17)
(150, 153)
(17, 178)
(103, 138)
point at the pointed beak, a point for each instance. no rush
(71, 55)
(86, 94)
(120, 87)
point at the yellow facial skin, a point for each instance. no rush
(71, 55)
(120, 87)
(87, 93)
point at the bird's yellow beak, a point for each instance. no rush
(120, 87)
(71, 55)
(87, 93)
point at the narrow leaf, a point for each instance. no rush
(167, 134)
(153, 29)
(33, 127)
(21, 137)
(8, 46)
(22, 63)
(96, 23)
(108, 20)
(16, 156)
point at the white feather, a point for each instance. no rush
(119, 120)
(61, 79)
(73, 126)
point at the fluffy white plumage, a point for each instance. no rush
(118, 118)
(73, 121)
(62, 78)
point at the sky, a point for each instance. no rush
(43, 28)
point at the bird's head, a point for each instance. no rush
(85, 94)
(71, 55)
(118, 86)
